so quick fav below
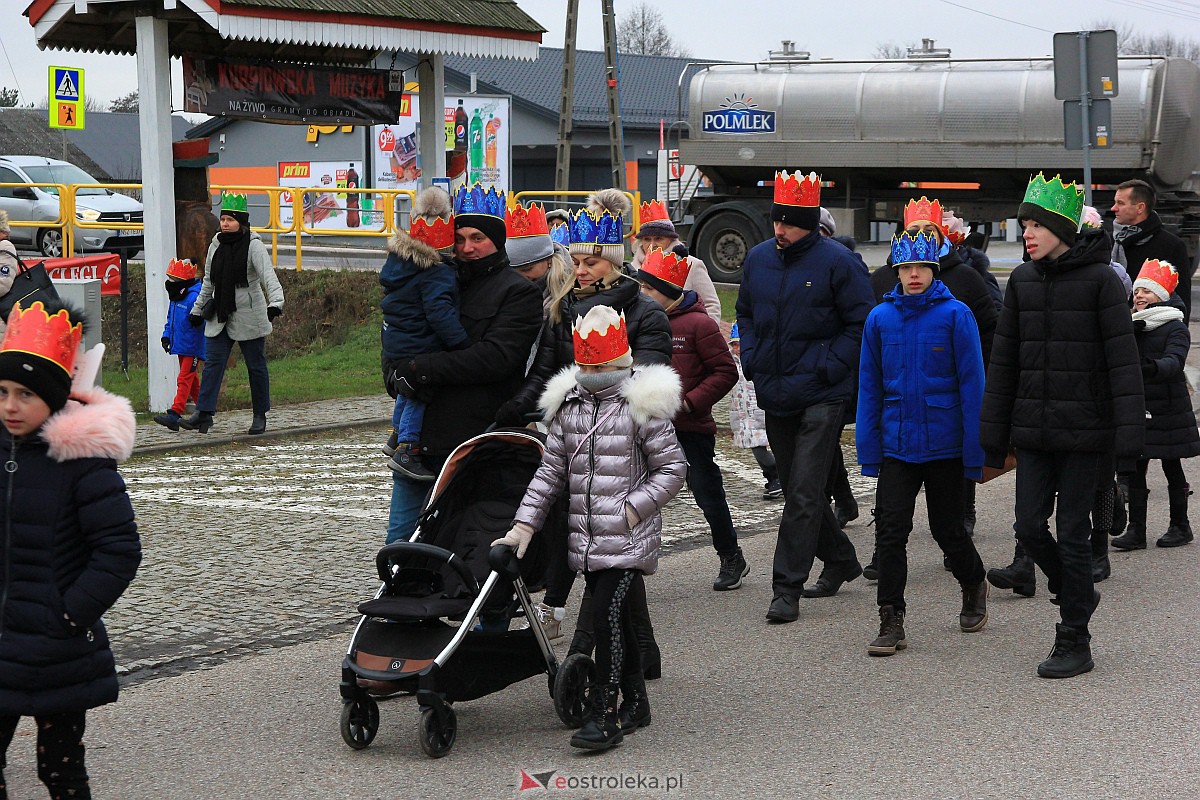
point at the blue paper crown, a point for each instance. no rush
(561, 234)
(589, 229)
(909, 249)
(477, 200)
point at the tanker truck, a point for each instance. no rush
(968, 131)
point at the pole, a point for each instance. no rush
(124, 253)
(566, 106)
(1084, 111)
(616, 137)
(431, 98)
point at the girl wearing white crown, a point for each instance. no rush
(612, 446)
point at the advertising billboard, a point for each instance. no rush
(325, 207)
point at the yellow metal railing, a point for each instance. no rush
(64, 208)
(276, 197)
(93, 224)
(387, 207)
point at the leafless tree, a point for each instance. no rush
(890, 50)
(125, 105)
(1131, 42)
(643, 31)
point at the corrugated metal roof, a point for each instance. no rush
(648, 84)
(26, 132)
(501, 14)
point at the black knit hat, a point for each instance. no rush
(1057, 224)
(492, 227)
(806, 217)
(668, 289)
(39, 350)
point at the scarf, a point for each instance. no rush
(473, 270)
(229, 266)
(177, 290)
(607, 282)
(598, 381)
(1157, 315)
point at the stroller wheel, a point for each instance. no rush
(360, 722)
(573, 684)
(436, 739)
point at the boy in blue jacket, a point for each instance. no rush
(920, 391)
(179, 339)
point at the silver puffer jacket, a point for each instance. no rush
(631, 458)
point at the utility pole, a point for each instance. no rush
(566, 108)
(616, 137)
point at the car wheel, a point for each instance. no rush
(50, 242)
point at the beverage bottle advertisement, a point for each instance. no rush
(476, 131)
(325, 207)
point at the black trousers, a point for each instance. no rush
(708, 487)
(1071, 479)
(617, 653)
(895, 504)
(804, 445)
(59, 754)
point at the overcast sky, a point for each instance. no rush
(720, 29)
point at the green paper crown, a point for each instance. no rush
(1066, 200)
(231, 201)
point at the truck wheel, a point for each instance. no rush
(723, 244)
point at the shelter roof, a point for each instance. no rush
(319, 31)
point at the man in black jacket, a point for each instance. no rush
(1064, 388)
(501, 312)
(1140, 236)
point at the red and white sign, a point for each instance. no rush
(104, 267)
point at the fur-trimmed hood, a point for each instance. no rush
(653, 392)
(405, 247)
(93, 424)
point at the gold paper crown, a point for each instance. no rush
(793, 191)
(38, 333)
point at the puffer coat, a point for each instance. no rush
(185, 340)
(703, 361)
(262, 289)
(646, 324)
(420, 300)
(69, 546)
(611, 449)
(1163, 343)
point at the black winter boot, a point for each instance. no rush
(1018, 576)
(733, 569)
(258, 424)
(1101, 568)
(1180, 531)
(973, 616)
(200, 421)
(644, 631)
(169, 419)
(1120, 501)
(1134, 537)
(634, 712)
(602, 730)
(891, 633)
(871, 570)
(1071, 656)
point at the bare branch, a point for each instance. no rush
(643, 31)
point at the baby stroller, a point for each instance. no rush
(419, 635)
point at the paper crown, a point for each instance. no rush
(477, 200)
(561, 233)
(1161, 273)
(438, 234)
(919, 249)
(666, 267)
(38, 333)
(1066, 200)
(232, 201)
(919, 212)
(793, 191)
(181, 269)
(652, 212)
(522, 222)
(589, 229)
(600, 337)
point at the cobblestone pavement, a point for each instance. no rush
(251, 543)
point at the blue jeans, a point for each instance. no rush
(254, 351)
(803, 445)
(407, 417)
(1069, 480)
(704, 479)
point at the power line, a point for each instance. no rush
(20, 94)
(1157, 8)
(993, 16)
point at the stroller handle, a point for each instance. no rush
(428, 551)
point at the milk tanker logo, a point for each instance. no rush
(739, 115)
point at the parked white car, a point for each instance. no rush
(40, 203)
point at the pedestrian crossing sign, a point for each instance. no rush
(66, 98)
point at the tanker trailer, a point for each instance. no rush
(968, 131)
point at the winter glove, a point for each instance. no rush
(517, 538)
(1149, 368)
(166, 345)
(509, 415)
(404, 379)
(195, 320)
(273, 313)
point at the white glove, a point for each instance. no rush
(518, 538)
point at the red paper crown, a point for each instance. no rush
(652, 212)
(793, 191)
(1162, 273)
(181, 269)
(667, 267)
(918, 212)
(599, 347)
(439, 234)
(522, 222)
(38, 333)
